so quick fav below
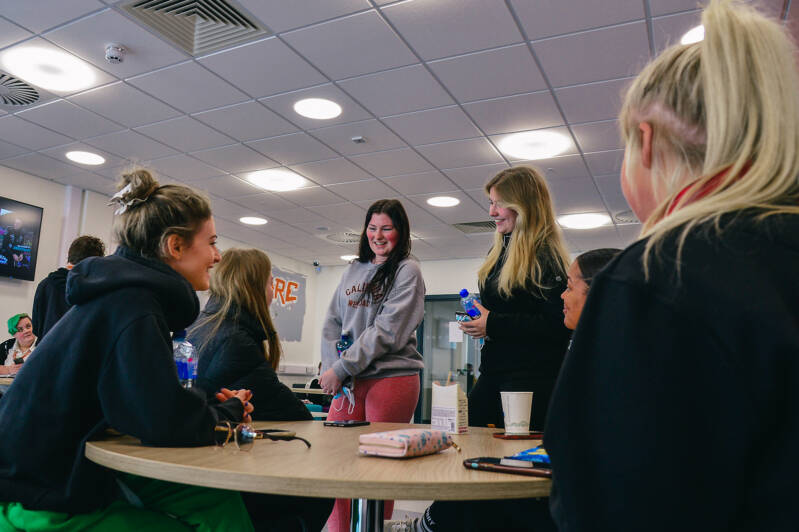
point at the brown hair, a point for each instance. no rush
(239, 282)
(83, 247)
(381, 282)
(150, 213)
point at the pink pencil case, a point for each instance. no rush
(404, 443)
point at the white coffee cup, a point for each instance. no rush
(516, 406)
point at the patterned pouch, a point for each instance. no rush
(405, 443)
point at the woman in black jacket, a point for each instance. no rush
(237, 341)
(520, 285)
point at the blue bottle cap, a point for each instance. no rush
(464, 293)
(473, 313)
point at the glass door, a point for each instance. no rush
(448, 353)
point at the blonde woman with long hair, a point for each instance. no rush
(676, 407)
(520, 285)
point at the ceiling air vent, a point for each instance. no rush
(344, 238)
(626, 217)
(14, 91)
(476, 227)
(197, 26)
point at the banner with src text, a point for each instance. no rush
(288, 303)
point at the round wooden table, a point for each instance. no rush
(330, 468)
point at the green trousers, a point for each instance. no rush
(166, 506)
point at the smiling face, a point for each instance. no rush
(382, 236)
(574, 296)
(504, 218)
(24, 334)
(194, 262)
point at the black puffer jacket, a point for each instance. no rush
(50, 301)
(234, 359)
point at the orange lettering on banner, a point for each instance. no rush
(280, 284)
(289, 287)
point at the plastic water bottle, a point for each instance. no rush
(467, 302)
(185, 359)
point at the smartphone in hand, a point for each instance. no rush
(462, 316)
(345, 423)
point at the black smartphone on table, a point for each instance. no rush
(345, 423)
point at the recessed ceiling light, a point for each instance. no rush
(532, 145)
(588, 220)
(47, 68)
(317, 108)
(85, 157)
(693, 35)
(276, 179)
(443, 201)
(349, 257)
(252, 220)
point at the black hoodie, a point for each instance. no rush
(107, 363)
(50, 302)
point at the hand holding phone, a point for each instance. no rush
(346, 423)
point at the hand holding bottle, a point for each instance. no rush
(476, 327)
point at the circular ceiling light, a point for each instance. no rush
(317, 108)
(532, 145)
(349, 257)
(276, 179)
(47, 68)
(252, 220)
(443, 201)
(85, 157)
(693, 35)
(588, 220)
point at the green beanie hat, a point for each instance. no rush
(13, 321)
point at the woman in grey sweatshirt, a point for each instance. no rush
(379, 303)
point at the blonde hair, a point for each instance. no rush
(728, 103)
(239, 282)
(152, 213)
(536, 239)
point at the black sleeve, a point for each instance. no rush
(545, 316)
(141, 396)
(240, 363)
(39, 311)
(646, 429)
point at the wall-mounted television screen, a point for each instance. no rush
(20, 225)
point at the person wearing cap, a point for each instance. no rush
(16, 350)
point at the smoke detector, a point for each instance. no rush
(115, 53)
(14, 91)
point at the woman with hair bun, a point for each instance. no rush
(676, 406)
(109, 364)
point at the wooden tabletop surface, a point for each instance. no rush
(312, 391)
(6, 381)
(330, 468)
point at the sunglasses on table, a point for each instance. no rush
(243, 435)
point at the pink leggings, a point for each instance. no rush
(391, 399)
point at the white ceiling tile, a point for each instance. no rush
(392, 162)
(69, 119)
(475, 176)
(545, 18)
(131, 145)
(184, 168)
(283, 104)
(562, 167)
(376, 136)
(226, 186)
(592, 102)
(331, 171)
(59, 152)
(665, 7)
(598, 136)
(420, 183)
(124, 104)
(266, 203)
(478, 195)
(515, 113)
(575, 195)
(605, 162)
(89, 36)
(371, 189)
(669, 30)
(351, 216)
(434, 125)
(41, 165)
(588, 239)
(246, 121)
(351, 46)
(185, 134)
(460, 153)
(467, 210)
(227, 209)
(280, 16)
(311, 196)
(502, 72)
(437, 229)
(609, 185)
(113, 173)
(90, 181)
(28, 135)
(452, 244)
(416, 214)
(594, 55)
(10, 33)
(236, 158)
(297, 215)
(497, 139)
(43, 14)
(293, 149)
(10, 150)
(396, 91)
(179, 87)
(460, 26)
(629, 233)
(263, 59)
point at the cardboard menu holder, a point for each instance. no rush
(450, 411)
